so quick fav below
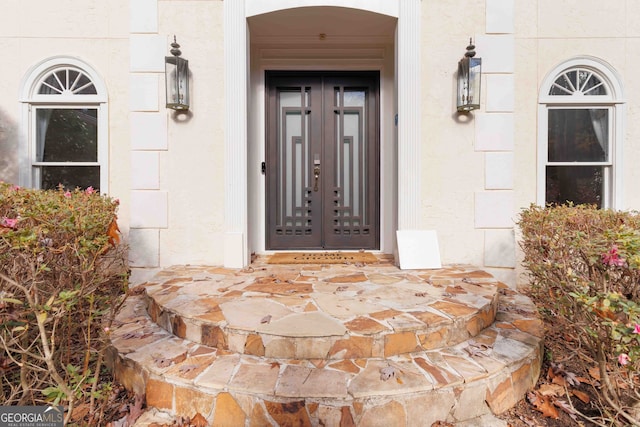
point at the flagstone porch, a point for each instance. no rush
(341, 344)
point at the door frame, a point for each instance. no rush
(400, 97)
(319, 234)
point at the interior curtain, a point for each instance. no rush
(600, 123)
(42, 123)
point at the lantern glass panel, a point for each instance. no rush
(177, 75)
(469, 78)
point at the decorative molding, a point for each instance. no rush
(409, 109)
(235, 136)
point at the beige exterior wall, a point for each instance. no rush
(477, 170)
(96, 33)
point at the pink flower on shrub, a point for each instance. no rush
(8, 222)
(636, 330)
(613, 258)
(623, 359)
(67, 194)
(90, 190)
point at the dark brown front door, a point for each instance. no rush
(322, 165)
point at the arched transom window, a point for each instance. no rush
(580, 124)
(66, 142)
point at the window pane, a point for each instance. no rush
(578, 135)
(70, 177)
(67, 135)
(577, 184)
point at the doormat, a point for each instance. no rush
(322, 258)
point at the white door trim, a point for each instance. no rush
(236, 57)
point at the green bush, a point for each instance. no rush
(63, 274)
(584, 268)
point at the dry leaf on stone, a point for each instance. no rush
(543, 404)
(476, 349)
(136, 334)
(266, 319)
(161, 362)
(390, 372)
(185, 369)
(275, 365)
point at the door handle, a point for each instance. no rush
(316, 175)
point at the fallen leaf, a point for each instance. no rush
(266, 319)
(161, 362)
(389, 372)
(136, 334)
(275, 365)
(476, 349)
(184, 369)
(543, 404)
(199, 421)
(551, 390)
(581, 395)
(112, 232)
(595, 373)
(559, 375)
(566, 408)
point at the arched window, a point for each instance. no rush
(580, 135)
(64, 139)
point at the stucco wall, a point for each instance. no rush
(96, 33)
(178, 173)
(168, 169)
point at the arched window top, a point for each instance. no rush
(582, 80)
(66, 81)
(63, 79)
(578, 82)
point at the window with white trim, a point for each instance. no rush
(580, 119)
(66, 137)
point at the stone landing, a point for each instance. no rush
(333, 345)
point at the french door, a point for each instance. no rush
(322, 160)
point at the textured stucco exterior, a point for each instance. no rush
(171, 171)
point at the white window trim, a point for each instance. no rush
(29, 97)
(614, 100)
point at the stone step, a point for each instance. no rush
(336, 312)
(487, 373)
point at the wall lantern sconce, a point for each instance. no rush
(177, 79)
(469, 77)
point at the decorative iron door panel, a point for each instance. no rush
(322, 160)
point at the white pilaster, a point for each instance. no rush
(409, 176)
(235, 139)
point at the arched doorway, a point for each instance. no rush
(316, 42)
(367, 35)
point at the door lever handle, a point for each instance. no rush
(316, 175)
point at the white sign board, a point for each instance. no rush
(418, 249)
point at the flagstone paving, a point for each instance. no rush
(327, 345)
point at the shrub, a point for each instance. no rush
(62, 277)
(584, 268)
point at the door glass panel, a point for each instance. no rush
(350, 161)
(293, 154)
(579, 135)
